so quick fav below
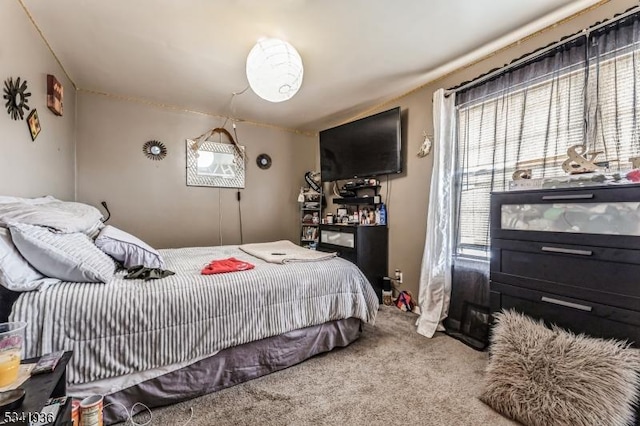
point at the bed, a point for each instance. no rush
(166, 340)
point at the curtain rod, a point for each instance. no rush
(541, 52)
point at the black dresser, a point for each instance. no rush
(364, 245)
(569, 256)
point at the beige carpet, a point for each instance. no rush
(390, 376)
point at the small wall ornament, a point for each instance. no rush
(154, 150)
(34, 124)
(15, 92)
(55, 94)
(263, 161)
(425, 148)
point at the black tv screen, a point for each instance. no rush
(363, 148)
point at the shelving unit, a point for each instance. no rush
(366, 195)
(364, 244)
(310, 218)
(371, 201)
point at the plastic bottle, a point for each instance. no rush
(383, 214)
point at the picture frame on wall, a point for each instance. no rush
(34, 124)
(214, 164)
(55, 95)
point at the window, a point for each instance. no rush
(584, 91)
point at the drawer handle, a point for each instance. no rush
(568, 197)
(568, 251)
(567, 304)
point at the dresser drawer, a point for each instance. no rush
(598, 274)
(336, 238)
(599, 216)
(578, 315)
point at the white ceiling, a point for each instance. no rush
(191, 53)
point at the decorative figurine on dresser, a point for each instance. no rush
(570, 256)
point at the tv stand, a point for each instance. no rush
(364, 245)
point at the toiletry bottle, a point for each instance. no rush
(383, 214)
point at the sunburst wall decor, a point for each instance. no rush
(16, 95)
(154, 150)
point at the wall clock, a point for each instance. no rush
(263, 161)
(16, 95)
(154, 150)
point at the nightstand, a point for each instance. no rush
(38, 389)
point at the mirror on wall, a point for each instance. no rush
(214, 164)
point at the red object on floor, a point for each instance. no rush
(404, 302)
(226, 265)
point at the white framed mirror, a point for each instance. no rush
(214, 164)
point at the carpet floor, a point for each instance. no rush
(390, 376)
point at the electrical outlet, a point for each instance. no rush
(398, 276)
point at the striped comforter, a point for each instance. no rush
(127, 326)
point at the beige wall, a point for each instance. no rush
(45, 166)
(409, 192)
(150, 198)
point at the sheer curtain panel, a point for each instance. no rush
(435, 274)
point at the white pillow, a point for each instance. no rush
(62, 216)
(68, 257)
(4, 199)
(15, 273)
(127, 249)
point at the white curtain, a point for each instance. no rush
(435, 274)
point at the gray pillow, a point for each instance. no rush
(127, 249)
(15, 272)
(68, 257)
(62, 216)
(543, 377)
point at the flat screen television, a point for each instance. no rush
(363, 148)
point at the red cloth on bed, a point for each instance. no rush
(226, 265)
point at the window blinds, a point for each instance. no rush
(527, 118)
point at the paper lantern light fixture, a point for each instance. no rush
(274, 70)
